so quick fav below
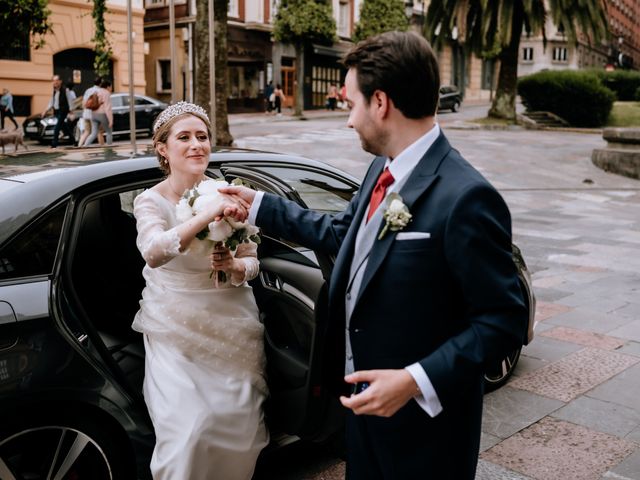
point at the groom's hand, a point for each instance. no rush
(242, 194)
(388, 392)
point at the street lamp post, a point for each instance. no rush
(408, 9)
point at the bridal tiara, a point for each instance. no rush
(176, 109)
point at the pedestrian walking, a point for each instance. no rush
(87, 111)
(424, 292)
(269, 97)
(279, 98)
(60, 102)
(332, 97)
(6, 108)
(103, 115)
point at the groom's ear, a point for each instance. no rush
(381, 103)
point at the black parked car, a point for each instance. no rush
(71, 368)
(147, 109)
(450, 98)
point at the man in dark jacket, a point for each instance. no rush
(60, 101)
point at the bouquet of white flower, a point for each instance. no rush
(226, 231)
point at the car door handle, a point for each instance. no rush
(270, 281)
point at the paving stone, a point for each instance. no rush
(527, 364)
(588, 339)
(606, 417)
(623, 389)
(490, 471)
(551, 294)
(589, 320)
(487, 441)
(628, 469)
(631, 348)
(574, 374)
(507, 411)
(549, 349)
(545, 310)
(557, 450)
(634, 435)
(630, 331)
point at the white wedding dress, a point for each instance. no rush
(204, 370)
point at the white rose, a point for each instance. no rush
(396, 206)
(210, 187)
(236, 225)
(183, 210)
(252, 230)
(206, 202)
(219, 231)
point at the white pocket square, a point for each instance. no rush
(412, 235)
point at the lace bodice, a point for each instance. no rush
(159, 243)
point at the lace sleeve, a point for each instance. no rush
(157, 243)
(247, 253)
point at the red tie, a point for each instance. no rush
(384, 180)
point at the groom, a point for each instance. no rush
(420, 307)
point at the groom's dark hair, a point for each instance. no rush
(401, 64)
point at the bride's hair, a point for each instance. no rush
(165, 122)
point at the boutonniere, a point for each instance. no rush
(396, 215)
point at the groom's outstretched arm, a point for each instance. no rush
(318, 231)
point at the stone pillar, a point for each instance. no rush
(622, 153)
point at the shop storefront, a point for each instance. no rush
(248, 69)
(322, 69)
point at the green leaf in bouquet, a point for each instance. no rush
(201, 235)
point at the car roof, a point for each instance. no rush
(25, 195)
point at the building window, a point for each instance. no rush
(234, 10)
(559, 54)
(343, 20)
(527, 54)
(163, 76)
(21, 105)
(488, 70)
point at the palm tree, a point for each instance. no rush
(495, 26)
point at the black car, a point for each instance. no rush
(450, 98)
(146, 110)
(71, 368)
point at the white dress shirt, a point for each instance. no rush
(401, 167)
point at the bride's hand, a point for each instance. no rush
(223, 260)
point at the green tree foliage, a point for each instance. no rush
(300, 22)
(102, 46)
(378, 16)
(21, 19)
(485, 26)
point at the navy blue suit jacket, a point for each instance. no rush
(451, 302)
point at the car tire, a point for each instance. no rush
(455, 107)
(71, 445)
(497, 375)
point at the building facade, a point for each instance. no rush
(68, 52)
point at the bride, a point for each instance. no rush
(204, 370)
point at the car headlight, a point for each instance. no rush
(49, 121)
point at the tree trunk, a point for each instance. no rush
(504, 102)
(299, 90)
(202, 91)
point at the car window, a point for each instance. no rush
(142, 101)
(319, 191)
(119, 101)
(32, 252)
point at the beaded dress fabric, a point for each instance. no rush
(204, 374)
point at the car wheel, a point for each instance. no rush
(498, 375)
(455, 107)
(64, 447)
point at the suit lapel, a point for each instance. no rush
(340, 275)
(417, 184)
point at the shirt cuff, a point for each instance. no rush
(428, 399)
(255, 206)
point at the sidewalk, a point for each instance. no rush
(287, 116)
